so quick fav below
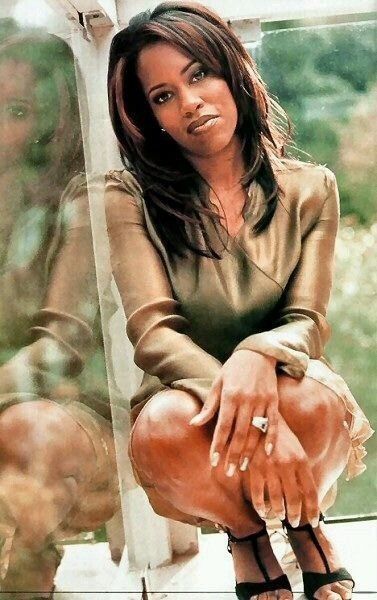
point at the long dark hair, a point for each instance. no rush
(176, 195)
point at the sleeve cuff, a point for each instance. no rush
(198, 387)
(289, 360)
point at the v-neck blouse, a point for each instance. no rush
(268, 293)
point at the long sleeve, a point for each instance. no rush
(62, 330)
(300, 329)
(154, 326)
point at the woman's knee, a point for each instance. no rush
(165, 419)
(306, 401)
(42, 432)
(162, 436)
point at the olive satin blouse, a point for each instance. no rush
(268, 293)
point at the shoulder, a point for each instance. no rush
(76, 184)
(305, 187)
(124, 181)
(123, 198)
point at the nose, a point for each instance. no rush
(190, 102)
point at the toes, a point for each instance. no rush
(346, 583)
(343, 588)
(335, 591)
(275, 595)
(328, 595)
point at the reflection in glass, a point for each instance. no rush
(57, 465)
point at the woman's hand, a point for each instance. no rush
(287, 477)
(246, 387)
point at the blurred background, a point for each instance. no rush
(324, 74)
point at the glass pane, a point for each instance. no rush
(64, 353)
(325, 78)
(58, 478)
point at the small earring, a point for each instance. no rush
(163, 130)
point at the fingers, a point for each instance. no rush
(292, 495)
(275, 493)
(309, 494)
(272, 430)
(237, 443)
(211, 405)
(222, 431)
(252, 439)
(257, 485)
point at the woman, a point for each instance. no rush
(222, 251)
(57, 466)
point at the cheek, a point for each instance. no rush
(14, 138)
(228, 105)
(16, 133)
(167, 118)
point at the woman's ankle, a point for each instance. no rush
(249, 556)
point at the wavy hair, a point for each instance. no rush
(176, 195)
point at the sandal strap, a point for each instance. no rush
(307, 527)
(253, 538)
(313, 581)
(247, 538)
(247, 589)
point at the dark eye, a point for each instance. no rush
(162, 98)
(200, 74)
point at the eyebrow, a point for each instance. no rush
(159, 85)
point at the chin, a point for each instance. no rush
(212, 151)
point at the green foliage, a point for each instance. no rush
(325, 78)
(350, 57)
(321, 76)
(352, 349)
(357, 198)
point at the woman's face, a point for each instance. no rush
(180, 92)
(17, 110)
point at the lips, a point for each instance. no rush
(200, 122)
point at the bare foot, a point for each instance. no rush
(257, 567)
(310, 559)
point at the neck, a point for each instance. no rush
(222, 171)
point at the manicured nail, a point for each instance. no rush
(314, 523)
(269, 449)
(281, 516)
(231, 470)
(261, 513)
(245, 462)
(195, 420)
(215, 459)
(295, 522)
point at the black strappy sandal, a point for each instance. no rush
(313, 581)
(246, 589)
